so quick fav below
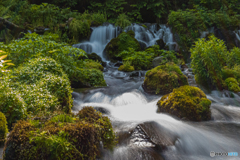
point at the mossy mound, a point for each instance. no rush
(186, 102)
(232, 84)
(121, 43)
(11, 103)
(126, 68)
(90, 64)
(163, 79)
(3, 127)
(61, 136)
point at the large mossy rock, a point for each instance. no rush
(232, 84)
(186, 102)
(3, 127)
(121, 43)
(163, 79)
(60, 136)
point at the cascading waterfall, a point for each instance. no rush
(237, 34)
(99, 39)
(102, 35)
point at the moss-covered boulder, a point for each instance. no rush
(163, 79)
(186, 102)
(126, 68)
(3, 127)
(61, 136)
(121, 43)
(232, 84)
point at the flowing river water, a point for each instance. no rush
(144, 134)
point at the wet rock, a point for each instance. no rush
(102, 110)
(156, 61)
(118, 64)
(161, 43)
(159, 135)
(143, 45)
(135, 74)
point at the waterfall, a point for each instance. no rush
(237, 34)
(102, 35)
(99, 39)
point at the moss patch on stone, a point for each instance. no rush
(121, 43)
(126, 68)
(232, 84)
(61, 136)
(186, 102)
(163, 79)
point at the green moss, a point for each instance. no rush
(186, 102)
(232, 84)
(164, 78)
(61, 137)
(3, 127)
(11, 102)
(143, 25)
(126, 68)
(90, 64)
(121, 43)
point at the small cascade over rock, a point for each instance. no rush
(99, 39)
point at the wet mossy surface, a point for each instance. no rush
(3, 127)
(121, 43)
(186, 102)
(232, 84)
(60, 136)
(126, 68)
(163, 79)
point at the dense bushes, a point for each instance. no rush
(190, 23)
(61, 137)
(186, 102)
(34, 46)
(212, 63)
(3, 127)
(163, 79)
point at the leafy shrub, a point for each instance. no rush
(186, 102)
(233, 57)
(208, 59)
(4, 64)
(90, 64)
(232, 84)
(123, 21)
(3, 127)
(79, 28)
(163, 79)
(61, 137)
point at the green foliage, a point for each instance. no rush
(121, 43)
(186, 102)
(123, 21)
(163, 79)
(62, 118)
(11, 103)
(3, 127)
(189, 23)
(232, 84)
(4, 64)
(138, 59)
(90, 64)
(34, 46)
(61, 137)
(79, 28)
(126, 67)
(208, 59)
(233, 57)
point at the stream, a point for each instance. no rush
(143, 133)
